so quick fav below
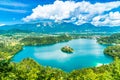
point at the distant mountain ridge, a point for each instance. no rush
(49, 27)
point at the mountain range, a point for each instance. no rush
(50, 27)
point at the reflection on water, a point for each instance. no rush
(87, 53)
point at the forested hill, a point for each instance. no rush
(113, 39)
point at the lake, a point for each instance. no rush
(87, 53)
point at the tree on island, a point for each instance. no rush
(67, 49)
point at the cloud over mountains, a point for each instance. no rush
(99, 14)
(2, 25)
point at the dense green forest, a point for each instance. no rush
(45, 40)
(113, 51)
(28, 69)
(112, 39)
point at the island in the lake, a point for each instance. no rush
(67, 49)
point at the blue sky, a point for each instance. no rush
(97, 12)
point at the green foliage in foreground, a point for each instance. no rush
(28, 69)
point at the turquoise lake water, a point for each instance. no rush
(87, 53)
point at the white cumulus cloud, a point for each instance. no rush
(70, 11)
(111, 19)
